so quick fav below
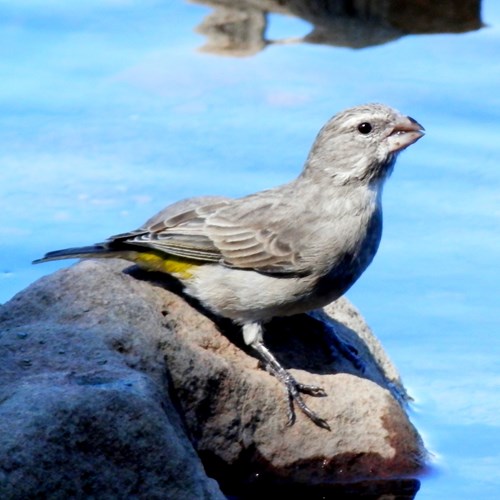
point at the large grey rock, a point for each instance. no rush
(78, 416)
(104, 374)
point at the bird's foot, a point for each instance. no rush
(294, 388)
(312, 390)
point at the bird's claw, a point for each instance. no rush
(294, 389)
(312, 390)
(320, 422)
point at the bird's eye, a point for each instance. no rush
(365, 128)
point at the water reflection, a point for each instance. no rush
(238, 27)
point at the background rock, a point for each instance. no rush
(105, 375)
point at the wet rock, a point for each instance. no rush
(111, 379)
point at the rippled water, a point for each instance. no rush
(108, 112)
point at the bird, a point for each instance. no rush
(281, 251)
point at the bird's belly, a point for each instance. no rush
(250, 296)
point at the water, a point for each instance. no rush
(108, 112)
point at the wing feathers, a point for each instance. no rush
(229, 232)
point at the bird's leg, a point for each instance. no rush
(252, 333)
(293, 387)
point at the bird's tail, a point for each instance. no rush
(99, 250)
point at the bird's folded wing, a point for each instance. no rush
(181, 234)
(224, 234)
(254, 246)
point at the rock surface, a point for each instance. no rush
(110, 380)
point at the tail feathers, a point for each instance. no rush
(99, 250)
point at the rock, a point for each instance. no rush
(106, 373)
(78, 417)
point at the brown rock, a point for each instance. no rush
(91, 354)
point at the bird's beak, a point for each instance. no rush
(404, 134)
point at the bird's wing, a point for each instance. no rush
(243, 233)
(253, 236)
(177, 230)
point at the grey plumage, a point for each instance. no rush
(285, 250)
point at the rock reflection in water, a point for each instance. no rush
(238, 27)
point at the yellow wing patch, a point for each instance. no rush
(180, 268)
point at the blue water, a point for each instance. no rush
(108, 112)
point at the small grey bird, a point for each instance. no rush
(282, 251)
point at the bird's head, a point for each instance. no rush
(360, 144)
